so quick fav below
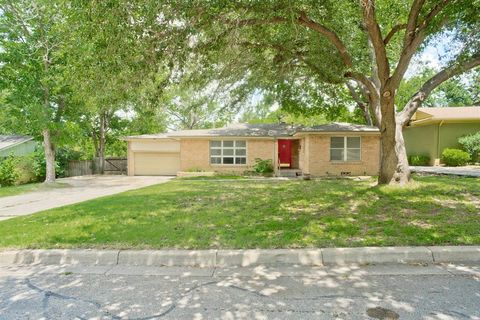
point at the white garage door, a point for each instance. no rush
(156, 164)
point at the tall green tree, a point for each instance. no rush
(304, 50)
(116, 67)
(31, 72)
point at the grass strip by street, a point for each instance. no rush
(189, 214)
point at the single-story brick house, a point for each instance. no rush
(16, 145)
(330, 149)
(433, 129)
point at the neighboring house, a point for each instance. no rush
(16, 145)
(330, 149)
(433, 129)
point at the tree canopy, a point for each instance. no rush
(92, 71)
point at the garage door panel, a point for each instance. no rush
(156, 164)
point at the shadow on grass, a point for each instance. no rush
(266, 214)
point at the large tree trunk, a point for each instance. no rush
(394, 167)
(49, 156)
(101, 143)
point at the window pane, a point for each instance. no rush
(336, 142)
(216, 160)
(216, 152)
(228, 144)
(240, 152)
(228, 152)
(353, 154)
(240, 160)
(216, 144)
(336, 154)
(228, 160)
(240, 144)
(353, 142)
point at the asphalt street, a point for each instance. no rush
(368, 292)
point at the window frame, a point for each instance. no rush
(222, 156)
(345, 149)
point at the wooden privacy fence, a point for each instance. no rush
(113, 165)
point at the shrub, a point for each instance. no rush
(39, 166)
(8, 171)
(263, 166)
(418, 160)
(25, 170)
(471, 144)
(455, 157)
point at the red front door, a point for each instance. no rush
(285, 153)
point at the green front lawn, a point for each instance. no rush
(261, 214)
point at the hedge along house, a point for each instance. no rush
(330, 149)
(16, 145)
(431, 130)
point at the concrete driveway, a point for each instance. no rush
(467, 171)
(77, 189)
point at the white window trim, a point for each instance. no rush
(221, 156)
(345, 149)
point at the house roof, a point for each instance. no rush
(259, 130)
(339, 127)
(241, 130)
(447, 114)
(7, 141)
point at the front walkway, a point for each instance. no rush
(79, 189)
(468, 171)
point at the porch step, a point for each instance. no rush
(290, 173)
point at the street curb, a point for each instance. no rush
(241, 258)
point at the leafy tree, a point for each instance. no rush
(32, 63)
(303, 51)
(268, 111)
(101, 68)
(458, 91)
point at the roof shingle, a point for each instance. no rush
(260, 130)
(7, 141)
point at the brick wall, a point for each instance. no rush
(313, 156)
(318, 155)
(195, 153)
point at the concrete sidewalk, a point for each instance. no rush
(468, 171)
(243, 258)
(78, 189)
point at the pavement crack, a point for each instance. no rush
(49, 294)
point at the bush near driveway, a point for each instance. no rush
(419, 160)
(471, 144)
(8, 171)
(195, 214)
(455, 157)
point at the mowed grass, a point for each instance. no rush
(261, 214)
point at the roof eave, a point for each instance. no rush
(17, 143)
(428, 121)
(337, 132)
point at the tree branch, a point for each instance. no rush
(432, 14)
(375, 35)
(392, 32)
(417, 99)
(252, 22)
(412, 21)
(305, 21)
(362, 105)
(414, 36)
